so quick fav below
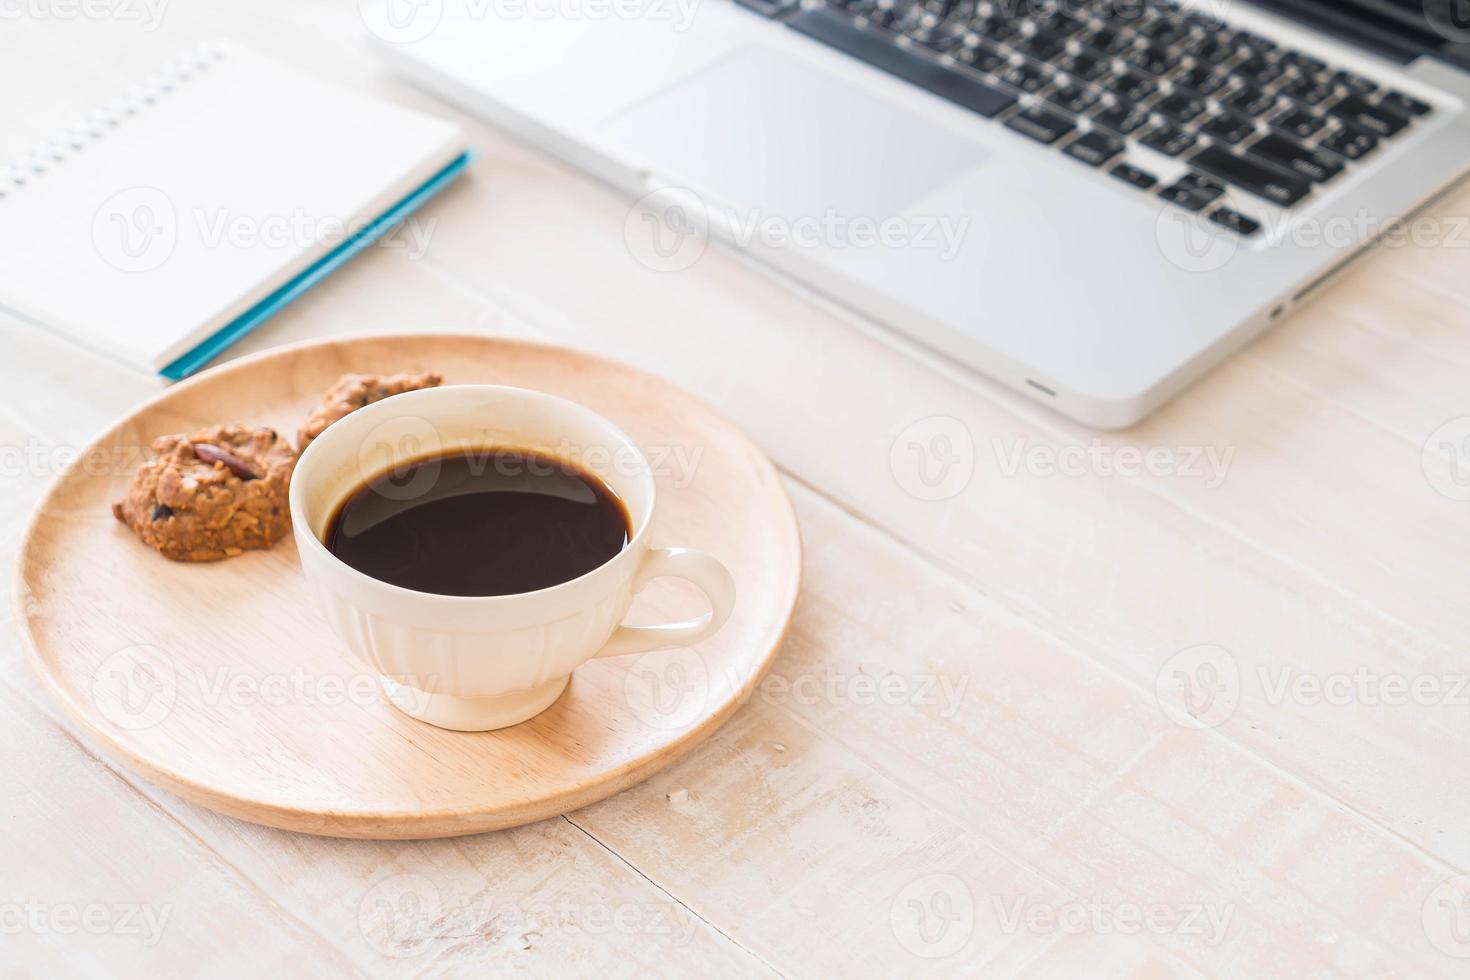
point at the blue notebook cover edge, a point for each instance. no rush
(210, 348)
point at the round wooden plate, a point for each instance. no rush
(220, 682)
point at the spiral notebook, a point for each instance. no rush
(167, 225)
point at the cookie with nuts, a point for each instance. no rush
(211, 495)
(353, 391)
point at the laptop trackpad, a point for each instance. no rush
(761, 129)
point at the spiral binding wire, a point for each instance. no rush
(33, 166)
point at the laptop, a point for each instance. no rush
(1090, 201)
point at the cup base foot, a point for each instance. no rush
(473, 714)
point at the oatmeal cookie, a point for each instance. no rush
(211, 495)
(353, 391)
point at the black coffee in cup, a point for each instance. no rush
(482, 522)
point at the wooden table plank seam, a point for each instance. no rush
(623, 860)
(127, 780)
(1072, 646)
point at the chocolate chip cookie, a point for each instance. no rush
(211, 495)
(353, 391)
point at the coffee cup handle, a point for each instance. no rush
(706, 572)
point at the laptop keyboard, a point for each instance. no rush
(1090, 77)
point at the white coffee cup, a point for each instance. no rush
(475, 663)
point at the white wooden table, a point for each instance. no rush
(1014, 800)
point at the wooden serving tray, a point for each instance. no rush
(221, 682)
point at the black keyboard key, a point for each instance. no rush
(1235, 221)
(1181, 107)
(1088, 67)
(1202, 79)
(1304, 63)
(1255, 42)
(1185, 197)
(1212, 188)
(1353, 83)
(982, 57)
(1227, 127)
(1350, 144)
(1110, 41)
(1258, 71)
(1155, 61)
(835, 29)
(1024, 77)
(1130, 87)
(1040, 124)
(1165, 31)
(1253, 175)
(1139, 178)
(1212, 51)
(1308, 90)
(1076, 99)
(1094, 148)
(997, 29)
(937, 35)
(1403, 104)
(1121, 119)
(1251, 101)
(1316, 166)
(1167, 139)
(1043, 45)
(1300, 123)
(1059, 23)
(1363, 115)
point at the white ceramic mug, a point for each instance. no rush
(474, 663)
